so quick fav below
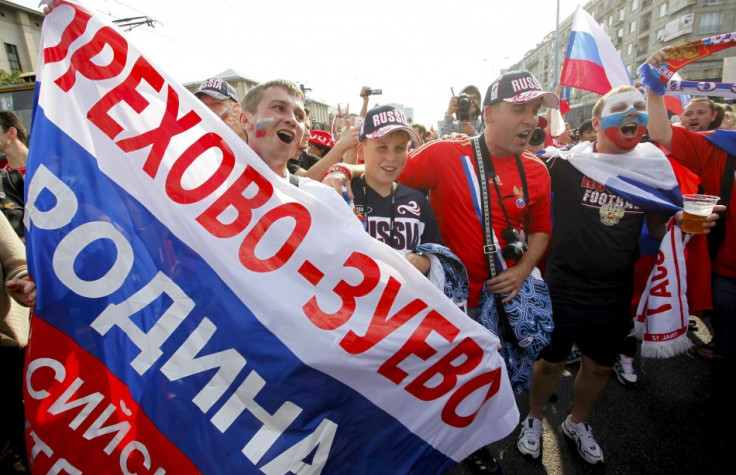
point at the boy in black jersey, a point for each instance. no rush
(392, 213)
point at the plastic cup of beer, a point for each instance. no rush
(697, 209)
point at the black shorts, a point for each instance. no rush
(598, 330)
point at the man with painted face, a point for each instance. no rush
(275, 120)
(595, 242)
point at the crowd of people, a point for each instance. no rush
(419, 194)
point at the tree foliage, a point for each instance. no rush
(7, 78)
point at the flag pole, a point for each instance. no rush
(557, 45)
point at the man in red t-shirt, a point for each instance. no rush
(448, 169)
(708, 161)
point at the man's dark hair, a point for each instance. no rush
(585, 126)
(8, 120)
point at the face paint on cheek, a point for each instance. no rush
(622, 141)
(621, 118)
(264, 125)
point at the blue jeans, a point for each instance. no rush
(723, 316)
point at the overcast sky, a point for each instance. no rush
(414, 50)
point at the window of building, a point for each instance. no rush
(629, 49)
(710, 22)
(610, 20)
(621, 14)
(620, 33)
(13, 59)
(708, 3)
(634, 4)
(663, 10)
(632, 27)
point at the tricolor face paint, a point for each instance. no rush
(263, 125)
(624, 119)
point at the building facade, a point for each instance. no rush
(20, 31)
(638, 28)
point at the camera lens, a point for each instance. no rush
(515, 247)
(513, 251)
(537, 137)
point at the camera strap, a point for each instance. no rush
(491, 175)
(490, 249)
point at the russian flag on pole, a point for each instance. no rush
(198, 314)
(592, 62)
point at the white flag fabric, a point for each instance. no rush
(197, 313)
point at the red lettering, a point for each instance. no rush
(82, 63)
(347, 293)
(417, 345)
(661, 273)
(660, 258)
(471, 354)
(660, 290)
(233, 196)
(660, 309)
(73, 31)
(449, 411)
(174, 188)
(302, 222)
(125, 92)
(161, 136)
(592, 184)
(381, 326)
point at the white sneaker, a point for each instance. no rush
(625, 373)
(530, 438)
(582, 434)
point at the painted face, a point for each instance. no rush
(624, 119)
(275, 130)
(384, 158)
(219, 106)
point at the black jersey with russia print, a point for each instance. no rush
(414, 220)
(595, 238)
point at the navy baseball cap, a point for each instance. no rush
(217, 88)
(381, 121)
(518, 87)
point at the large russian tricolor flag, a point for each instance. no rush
(592, 62)
(197, 313)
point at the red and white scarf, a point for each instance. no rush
(662, 316)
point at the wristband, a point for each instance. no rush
(340, 168)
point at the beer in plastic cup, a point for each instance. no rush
(697, 209)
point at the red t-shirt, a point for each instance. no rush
(448, 169)
(708, 161)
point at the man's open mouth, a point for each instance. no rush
(630, 129)
(285, 136)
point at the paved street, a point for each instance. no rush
(654, 428)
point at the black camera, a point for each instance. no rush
(463, 107)
(373, 92)
(515, 246)
(537, 137)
